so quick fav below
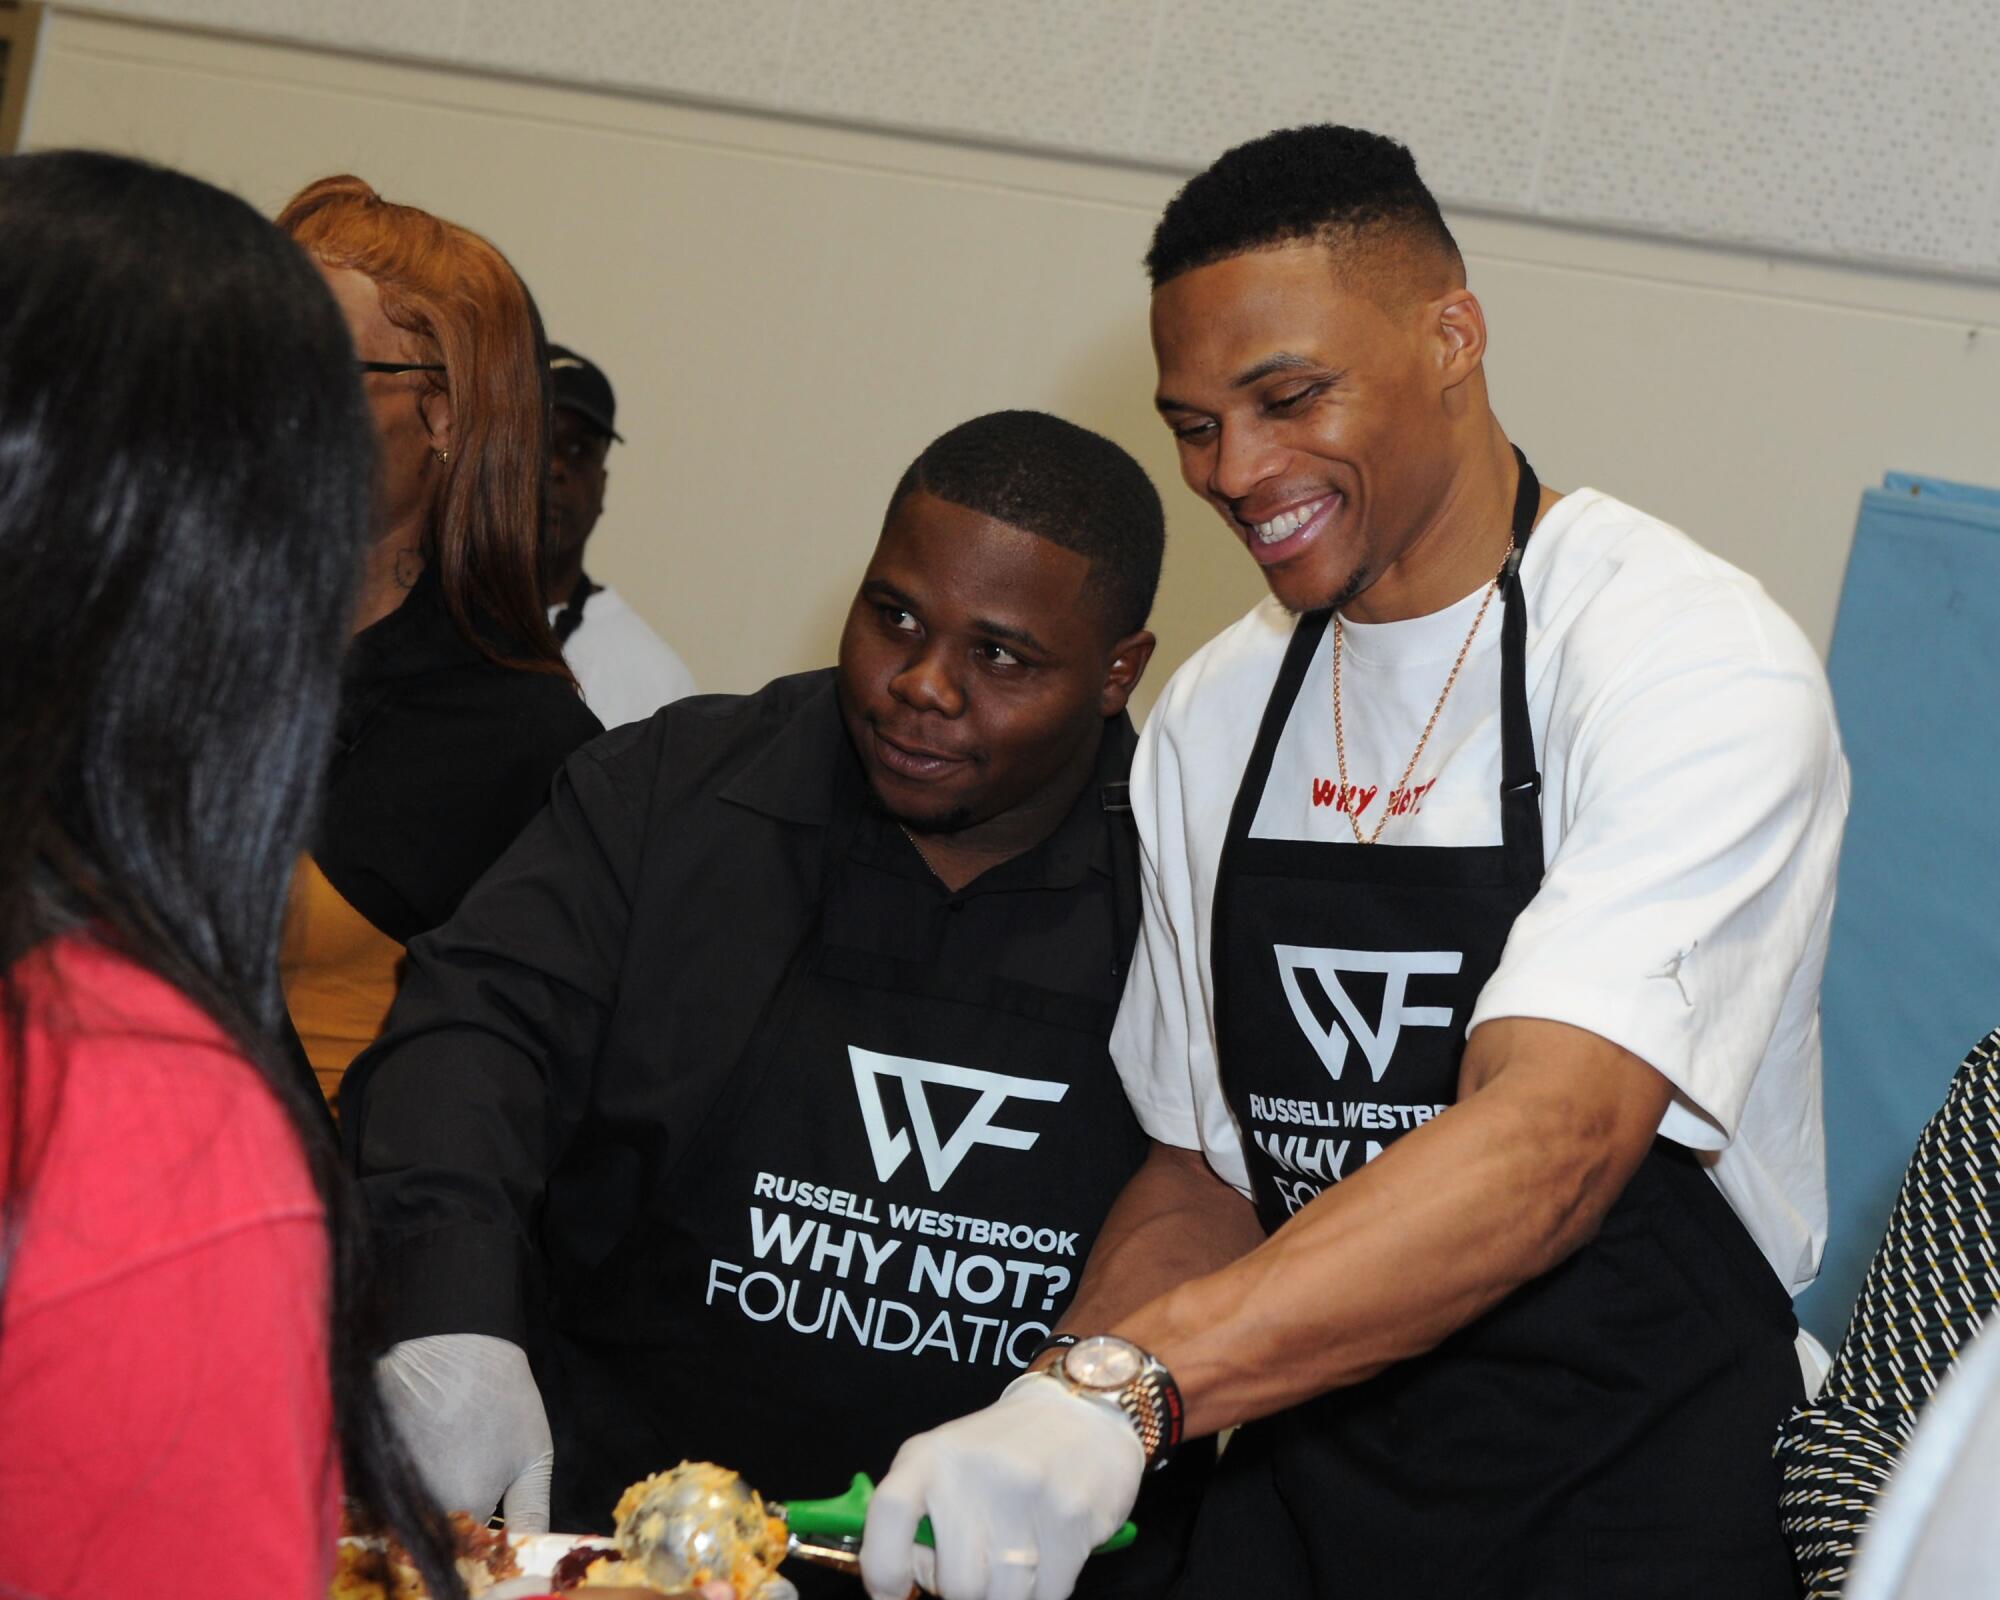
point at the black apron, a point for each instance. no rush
(1605, 1430)
(885, 1212)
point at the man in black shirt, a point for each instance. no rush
(761, 1094)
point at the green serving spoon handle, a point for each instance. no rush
(843, 1516)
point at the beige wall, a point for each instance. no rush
(1864, 131)
(791, 310)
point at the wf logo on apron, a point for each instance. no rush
(941, 1160)
(1302, 1164)
(1396, 968)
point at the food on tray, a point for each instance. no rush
(380, 1569)
(677, 1531)
(696, 1524)
(571, 1570)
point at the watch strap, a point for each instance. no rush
(1055, 1341)
(1153, 1401)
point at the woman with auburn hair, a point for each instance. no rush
(456, 708)
(184, 461)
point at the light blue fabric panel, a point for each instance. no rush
(1913, 974)
(1909, 483)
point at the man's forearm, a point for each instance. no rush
(1173, 1221)
(1386, 1264)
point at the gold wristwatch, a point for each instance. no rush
(1115, 1373)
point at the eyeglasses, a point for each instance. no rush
(399, 366)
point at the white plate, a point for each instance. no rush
(538, 1554)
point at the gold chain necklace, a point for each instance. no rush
(1416, 755)
(923, 855)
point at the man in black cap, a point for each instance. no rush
(627, 671)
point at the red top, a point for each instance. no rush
(166, 1420)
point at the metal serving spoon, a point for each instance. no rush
(700, 1518)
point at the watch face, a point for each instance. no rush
(1103, 1362)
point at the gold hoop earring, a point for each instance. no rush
(444, 457)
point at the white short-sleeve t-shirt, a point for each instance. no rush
(1693, 798)
(626, 671)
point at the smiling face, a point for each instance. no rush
(976, 670)
(1324, 423)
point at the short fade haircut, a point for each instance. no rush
(1339, 187)
(1059, 482)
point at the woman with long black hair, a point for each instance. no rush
(185, 468)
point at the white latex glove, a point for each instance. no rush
(1018, 1495)
(471, 1417)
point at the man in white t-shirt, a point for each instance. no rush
(1488, 869)
(626, 670)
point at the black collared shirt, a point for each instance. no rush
(534, 1131)
(558, 1042)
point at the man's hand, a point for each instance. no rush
(471, 1417)
(1018, 1495)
